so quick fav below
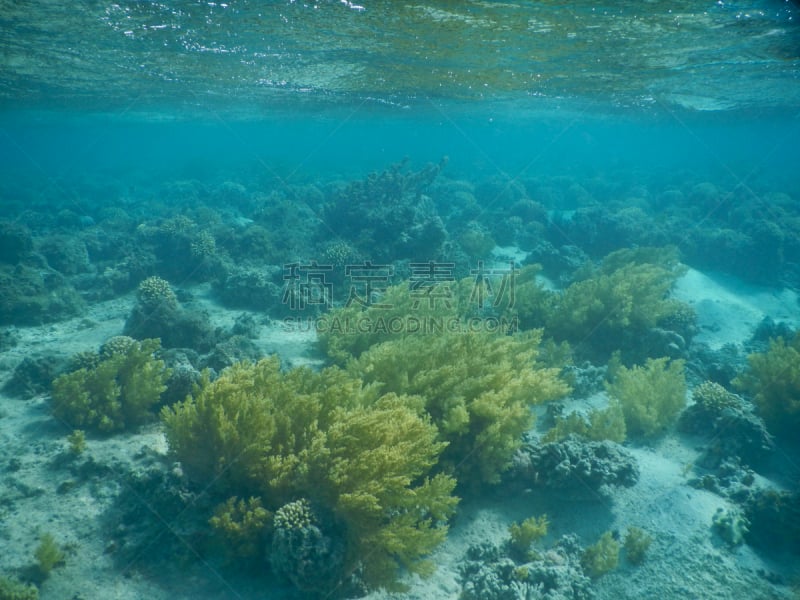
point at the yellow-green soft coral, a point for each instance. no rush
(478, 389)
(116, 394)
(597, 425)
(241, 525)
(773, 380)
(651, 396)
(324, 437)
(400, 311)
(627, 293)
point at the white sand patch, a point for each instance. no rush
(729, 310)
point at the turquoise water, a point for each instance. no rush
(336, 87)
(207, 145)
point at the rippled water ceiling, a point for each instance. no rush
(703, 55)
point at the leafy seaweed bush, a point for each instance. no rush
(650, 396)
(116, 394)
(477, 388)
(365, 457)
(773, 380)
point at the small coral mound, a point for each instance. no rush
(116, 346)
(731, 525)
(576, 465)
(489, 574)
(305, 549)
(735, 432)
(154, 292)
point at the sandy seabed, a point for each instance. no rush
(687, 559)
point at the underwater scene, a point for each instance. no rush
(399, 300)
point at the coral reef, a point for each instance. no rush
(575, 465)
(478, 389)
(636, 544)
(773, 380)
(386, 217)
(230, 351)
(322, 436)
(733, 429)
(11, 589)
(116, 394)
(31, 295)
(157, 314)
(65, 253)
(651, 396)
(731, 525)
(584, 379)
(33, 376)
(774, 518)
(728, 478)
(556, 574)
(307, 549)
(251, 289)
(15, 242)
(601, 557)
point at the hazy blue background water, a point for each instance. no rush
(131, 91)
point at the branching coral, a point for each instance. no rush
(323, 437)
(116, 394)
(155, 291)
(478, 389)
